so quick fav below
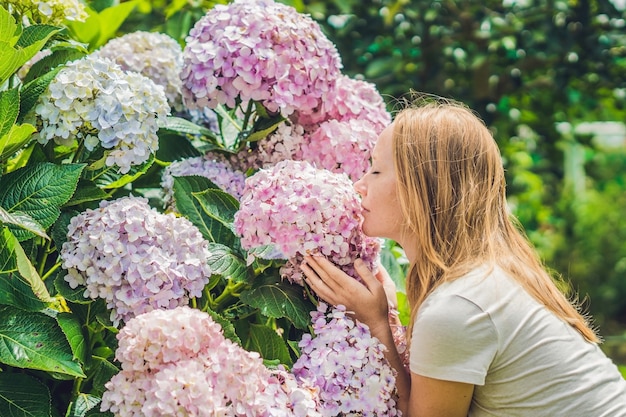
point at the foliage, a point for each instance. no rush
(89, 240)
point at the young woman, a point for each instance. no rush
(491, 334)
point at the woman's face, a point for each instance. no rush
(381, 209)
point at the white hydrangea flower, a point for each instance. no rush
(94, 98)
(154, 55)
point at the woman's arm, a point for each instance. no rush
(438, 398)
(369, 304)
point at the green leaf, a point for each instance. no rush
(83, 404)
(9, 106)
(54, 61)
(23, 221)
(203, 210)
(87, 191)
(8, 26)
(15, 139)
(225, 262)
(23, 396)
(112, 18)
(71, 327)
(30, 274)
(73, 295)
(39, 191)
(268, 343)
(173, 147)
(35, 34)
(279, 300)
(218, 204)
(33, 90)
(34, 341)
(14, 289)
(108, 177)
(185, 127)
(102, 371)
(227, 327)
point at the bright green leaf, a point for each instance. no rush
(268, 343)
(71, 327)
(279, 299)
(39, 191)
(225, 262)
(35, 341)
(9, 109)
(15, 139)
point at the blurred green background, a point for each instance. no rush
(548, 78)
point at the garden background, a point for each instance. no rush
(546, 76)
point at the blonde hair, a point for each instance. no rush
(451, 189)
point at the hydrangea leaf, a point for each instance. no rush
(109, 178)
(83, 404)
(35, 341)
(185, 127)
(9, 105)
(23, 396)
(279, 299)
(71, 327)
(223, 261)
(15, 139)
(268, 343)
(61, 54)
(87, 191)
(204, 211)
(227, 326)
(73, 295)
(102, 371)
(173, 147)
(14, 289)
(33, 89)
(38, 190)
(23, 221)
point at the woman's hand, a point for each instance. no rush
(367, 300)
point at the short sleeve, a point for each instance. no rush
(453, 339)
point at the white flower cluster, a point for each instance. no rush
(95, 101)
(152, 54)
(135, 258)
(50, 12)
(178, 363)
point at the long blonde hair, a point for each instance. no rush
(451, 188)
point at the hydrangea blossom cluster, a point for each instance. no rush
(343, 147)
(96, 102)
(178, 363)
(135, 258)
(351, 99)
(50, 12)
(299, 209)
(220, 172)
(152, 54)
(258, 50)
(348, 366)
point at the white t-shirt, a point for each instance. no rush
(523, 360)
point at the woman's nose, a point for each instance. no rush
(359, 187)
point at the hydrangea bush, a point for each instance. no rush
(156, 201)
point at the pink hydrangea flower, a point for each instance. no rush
(348, 366)
(178, 363)
(299, 209)
(351, 99)
(135, 258)
(258, 50)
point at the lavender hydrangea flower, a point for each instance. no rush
(93, 100)
(178, 362)
(50, 12)
(152, 54)
(135, 258)
(300, 209)
(348, 366)
(262, 51)
(219, 171)
(351, 99)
